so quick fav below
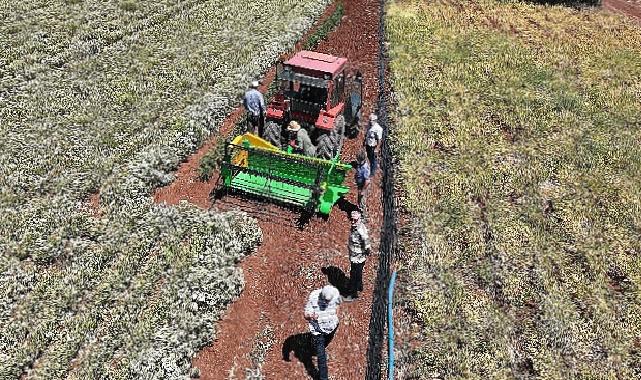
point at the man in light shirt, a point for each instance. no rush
(299, 140)
(359, 248)
(373, 139)
(320, 312)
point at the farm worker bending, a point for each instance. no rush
(362, 179)
(299, 140)
(320, 312)
(359, 248)
(372, 141)
(254, 104)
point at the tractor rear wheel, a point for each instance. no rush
(272, 133)
(325, 147)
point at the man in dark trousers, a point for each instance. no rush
(254, 104)
(321, 313)
(372, 141)
(359, 248)
(362, 178)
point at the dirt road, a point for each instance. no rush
(265, 326)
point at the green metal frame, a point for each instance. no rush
(312, 183)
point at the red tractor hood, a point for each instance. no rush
(312, 60)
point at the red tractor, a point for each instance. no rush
(314, 91)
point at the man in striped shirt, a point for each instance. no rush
(359, 248)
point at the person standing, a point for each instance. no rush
(300, 141)
(359, 248)
(362, 179)
(321, 313)
(254, 104)
(373, 139)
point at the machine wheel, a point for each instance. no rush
(272, 133)
(325, 147)
(353, 130)
(339, 133)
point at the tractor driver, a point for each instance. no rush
(299, 140)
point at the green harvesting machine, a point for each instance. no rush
(254, 166)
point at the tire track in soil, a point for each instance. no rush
(287, 265)
(629, 8)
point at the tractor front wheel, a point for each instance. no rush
(339, 125)
(338, 133)
(354, 128)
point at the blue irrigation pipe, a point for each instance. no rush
(390, 328)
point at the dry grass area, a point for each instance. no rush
(518, 132)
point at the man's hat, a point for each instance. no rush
(255, 84)
(293, 126)
(356, 215)
(373, 117)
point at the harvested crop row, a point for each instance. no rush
(516, 133)
(120, 121)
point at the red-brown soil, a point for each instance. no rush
(287, 265)
(629, 7)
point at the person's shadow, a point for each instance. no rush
(301, 346)
(346, 206)
(338, 278)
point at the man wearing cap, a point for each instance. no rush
(254, 104)
(320, 312)
(299, 140)
(373, 139)
(362, 178)
(359, 248)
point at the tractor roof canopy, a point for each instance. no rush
(311, 60)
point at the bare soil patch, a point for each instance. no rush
(629, 7)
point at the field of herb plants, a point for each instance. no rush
(106, 98)
(517, 130)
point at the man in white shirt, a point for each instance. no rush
(359, 248)
(373, 139)
(320, 312)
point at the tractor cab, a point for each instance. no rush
(314, 90)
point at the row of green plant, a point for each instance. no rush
(325, 28)
(94, 290)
